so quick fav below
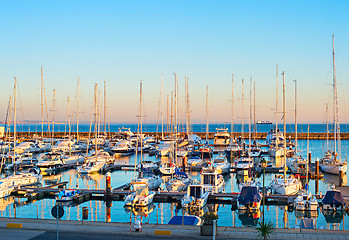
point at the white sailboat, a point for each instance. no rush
(282, 184)
(331, 162)
(179, 182)
(297, 164)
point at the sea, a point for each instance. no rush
(161, 213)
(151, 127)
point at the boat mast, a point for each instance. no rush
(335, 102)
(96, 120)
(276, 107)
(254, 111)
(42, 104)
(206, 113)
(77, 109)
(161, 107)
(295, 116)
(242, 111)
(141, 119)
(327, 127)
(284, 109)
(53, 115)
(250, 120)
(307, 159)
(105, 109)
(14, 119)
(175, 120)
(232, 109)
(167, 115)
(69, 128)
(188, 106)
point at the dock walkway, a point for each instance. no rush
(149, 230)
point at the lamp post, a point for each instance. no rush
(264, 165)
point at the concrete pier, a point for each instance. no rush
(113, 229)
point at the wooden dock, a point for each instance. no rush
(119, 194)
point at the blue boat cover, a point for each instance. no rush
(179, 173)
(334, 198)
(187, 220)
(249, 194)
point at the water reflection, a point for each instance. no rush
(249, 218)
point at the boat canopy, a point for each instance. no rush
(181, 174)
(186, 220)
(249, 194)
(334, 198)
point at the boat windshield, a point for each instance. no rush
(209, 179)
(195, 191)
(219, 160)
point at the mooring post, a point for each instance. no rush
(309, 158)
(341, 175)
(108, 186)
(317, 172)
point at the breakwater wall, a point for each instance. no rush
(259, 135)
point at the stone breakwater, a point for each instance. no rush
(259, 135)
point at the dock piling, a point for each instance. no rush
(108, 185)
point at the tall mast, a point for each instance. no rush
(188, 106)
(96, 120)
(161, 107)
(167, 115)
(105, 109)
(327, 144)
(15, 118)
(284, 110)
(307, 158)
(276, 105)
(77, 110)
(250, 120)
(242, 110)
(335, 101)
(53, 114)
(176, 119)
(42, 104)
(207, 113)
(141, 119)
(254, 111)
(232, 109)
(295, 115)
(69, 128)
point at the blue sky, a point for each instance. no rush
(123, 42)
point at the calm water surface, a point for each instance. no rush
(162, 212)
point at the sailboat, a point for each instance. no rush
(331, 162)
(149, 178)
(179, 182)
(282, 184)
(275, 138)
(100, 158)
(297, 164)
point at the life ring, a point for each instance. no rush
(297, 176)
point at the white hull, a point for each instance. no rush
(333, 169)
(290, 187)
(178, 185)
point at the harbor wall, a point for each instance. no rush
(259, 136)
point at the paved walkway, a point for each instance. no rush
(189, 232)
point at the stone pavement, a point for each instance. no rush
(188, 232)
